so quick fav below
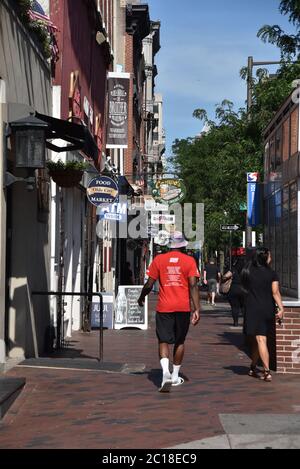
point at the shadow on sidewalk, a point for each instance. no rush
(238, 370)
(68, 351)
(155, 376)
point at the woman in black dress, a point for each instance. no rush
(261, 286)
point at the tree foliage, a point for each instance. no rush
(214, 165)
(289, 44)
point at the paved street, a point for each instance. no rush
(63, 408)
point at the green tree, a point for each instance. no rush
(289, 44)
(214, 166)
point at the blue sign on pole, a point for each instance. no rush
(114, 212)
(102, 190)
(253, 204)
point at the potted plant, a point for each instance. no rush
(67, 174)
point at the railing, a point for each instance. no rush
(59, 324)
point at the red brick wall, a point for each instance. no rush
(288, 342)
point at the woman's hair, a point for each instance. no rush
(256, 257)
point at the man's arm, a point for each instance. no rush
(204, 277)
(146, 290)
(195, 296)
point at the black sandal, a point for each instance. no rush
(253, 372)
(266, 376)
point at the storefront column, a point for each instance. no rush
(2, 230)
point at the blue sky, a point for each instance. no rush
(204, 44)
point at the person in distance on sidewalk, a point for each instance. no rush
(178, 281)
(211, 278)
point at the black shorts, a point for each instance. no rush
(172, 328)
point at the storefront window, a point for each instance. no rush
(293, 236)
(285, 202)
(286, 140)
(294, 131)
(272, 154)
(278, 148)
(293, 197)
(278, 237)
(278, 207)
(267, 159)
(282, 235)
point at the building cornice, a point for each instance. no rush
(138, 21)
(155, 28)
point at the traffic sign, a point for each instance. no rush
(234, 227)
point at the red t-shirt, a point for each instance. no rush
(173, 271)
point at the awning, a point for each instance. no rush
(124, 187)
(78, 136)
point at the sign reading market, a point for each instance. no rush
(102, 190)
(169, 191)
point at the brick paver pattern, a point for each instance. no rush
(88, 409)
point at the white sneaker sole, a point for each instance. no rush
(166, 386)
(178, 382)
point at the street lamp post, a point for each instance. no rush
(252, 64)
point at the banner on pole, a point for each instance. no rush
(118, 101)
(253, 204)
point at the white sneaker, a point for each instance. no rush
(178, 381)
(166, 383)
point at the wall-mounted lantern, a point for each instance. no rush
(29, 136)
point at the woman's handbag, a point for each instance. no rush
(226, 282)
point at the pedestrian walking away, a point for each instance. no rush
(178, 278)
(235, 294)
(263, 305)
(211, 277)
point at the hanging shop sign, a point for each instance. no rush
(115, 212)
(162, 219)
(169, 191)
(152, 206)
(118, 101)
(102, 190)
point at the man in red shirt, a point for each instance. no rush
(178, 287)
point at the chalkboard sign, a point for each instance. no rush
(108, 311)
(127, 311)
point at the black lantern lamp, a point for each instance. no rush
(29, 136)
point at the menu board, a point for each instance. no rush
(127, 311)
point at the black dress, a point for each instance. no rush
(259, 302)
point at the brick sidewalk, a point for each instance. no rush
(92, 409)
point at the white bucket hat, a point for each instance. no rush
(177, 240)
